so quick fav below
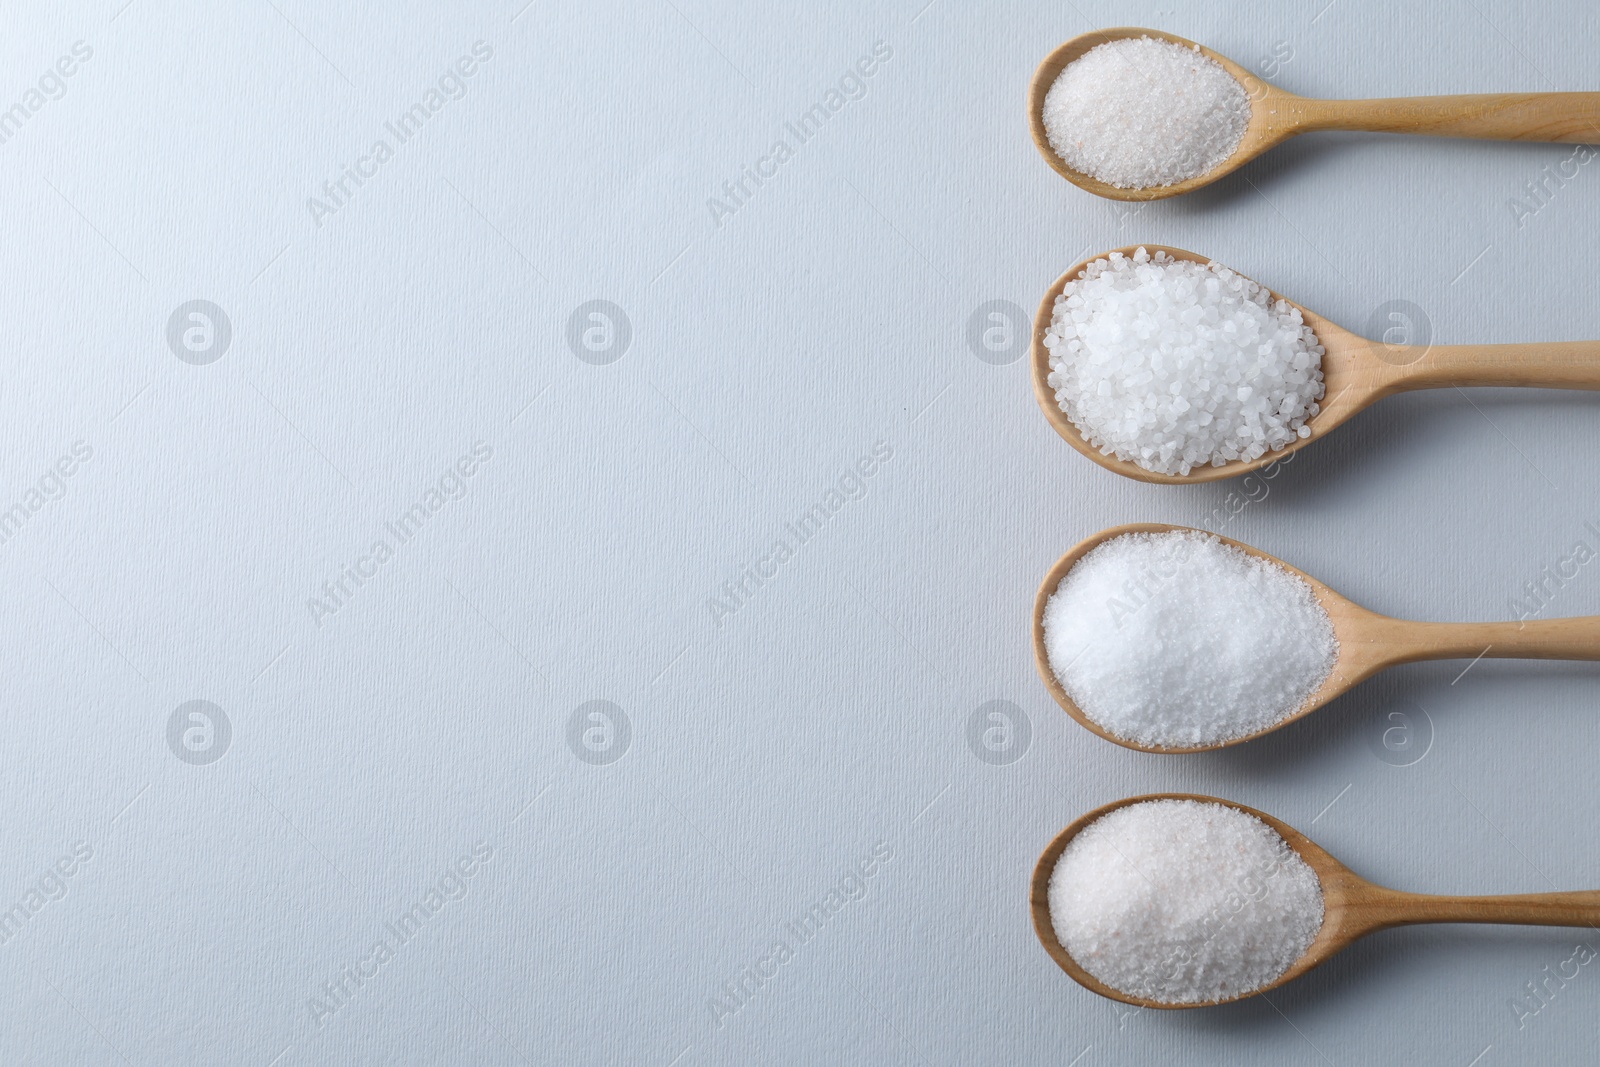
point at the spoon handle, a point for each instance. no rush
(1525, 909)
(1570, 118)
(1550, 365)
(1574, 638)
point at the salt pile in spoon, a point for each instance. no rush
(1175, 365)
(1183, 902)
(1178, 640)
(1142, 113)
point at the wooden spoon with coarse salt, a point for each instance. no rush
(1356, 373)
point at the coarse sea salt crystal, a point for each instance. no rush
(1140, 113)
(1174, 365)
(1182, 902)
(1176, 639)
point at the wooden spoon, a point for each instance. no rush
(1353, 907)
(1355, 371)
(1276, 116)
(1368, 642)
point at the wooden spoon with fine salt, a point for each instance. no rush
(1277, 115)
(1368, 642)
(1352, 906)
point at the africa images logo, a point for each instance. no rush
(51, 85)
(199, 732)
(449, 87)
(851, 485)
(852, 86)
(452, 485)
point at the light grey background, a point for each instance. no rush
(773, 747)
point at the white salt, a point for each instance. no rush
(1177, 640)
(1138, 113)
(1175, 365)
(1181, 902)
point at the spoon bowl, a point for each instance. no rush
(1352, 906)
(1262, 131)
(1356, 372)
(1276, 115)
(1346, 901)
(1368, 642)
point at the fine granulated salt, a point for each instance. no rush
(1178, 640)
(1175, 365)
(1138, 113)
(1182, 902)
